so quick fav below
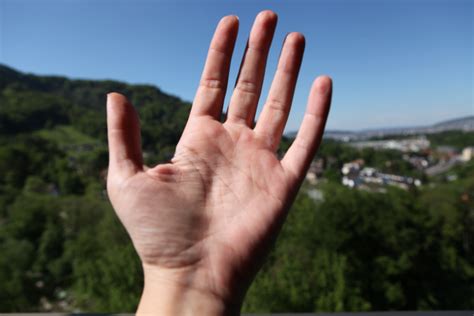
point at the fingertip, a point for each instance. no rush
(323, 84)
(229, 21)
(267, 15)
(116, 98)
(319, 99)
(325, 78)
(226, 33)
(115, 95)
(120, 110)
(264, 27)
(295, 38)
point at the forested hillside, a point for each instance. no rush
(63, 249)
(60, 243)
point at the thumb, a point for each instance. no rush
(123, 130)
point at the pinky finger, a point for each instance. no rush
(300, 154)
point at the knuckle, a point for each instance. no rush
(276, 105)
(210, 83)
(247, 86)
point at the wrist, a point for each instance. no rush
(172, 292)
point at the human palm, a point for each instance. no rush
(206, 219)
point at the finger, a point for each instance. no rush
(300, 154)
(123, 129)
(243, 103)
(211, 92)
(273, 118)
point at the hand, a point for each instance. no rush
(203, 223)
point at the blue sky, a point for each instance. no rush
(393, 62)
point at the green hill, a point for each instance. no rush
(53, 210)
(29, 103)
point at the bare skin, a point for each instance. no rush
(203, 223)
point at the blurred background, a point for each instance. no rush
(385, 218)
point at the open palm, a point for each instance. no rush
(207, 218)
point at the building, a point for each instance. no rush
(467, 154)
(315, 171)
(352, 167)
(371, 178)
(417, 144)
(419, 162)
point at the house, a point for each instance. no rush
(371, 179)
(467, 154)
(315, 171)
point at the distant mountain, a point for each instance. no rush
(464, 123)
(458, 124)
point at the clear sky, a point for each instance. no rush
(393, 62)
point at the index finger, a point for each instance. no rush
(212, 87)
